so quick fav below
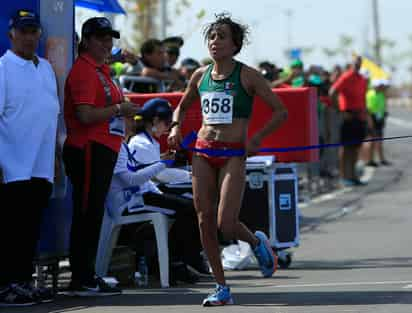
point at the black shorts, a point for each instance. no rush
(353, 130)
(377, 126)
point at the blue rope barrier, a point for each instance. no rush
(192, 136)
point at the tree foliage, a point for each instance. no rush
(343, 49)
(146, 17)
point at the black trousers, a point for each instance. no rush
(90, 172)
(184, 236)
(22, 207)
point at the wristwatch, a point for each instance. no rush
(174, 124)
(117, 105)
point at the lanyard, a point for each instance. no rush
(106, 87)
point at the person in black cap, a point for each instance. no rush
(176, 41)
(172, 50)
(172, 53)
(22, 23)
(29, 109)
(98, 29)
(94, 112)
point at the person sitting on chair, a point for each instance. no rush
(138, 164)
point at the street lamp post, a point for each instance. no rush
(376, 26)
(289, 16)
(163, 17)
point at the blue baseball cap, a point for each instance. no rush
(24, 18)
(156, 107)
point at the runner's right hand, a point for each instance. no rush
(175, 138)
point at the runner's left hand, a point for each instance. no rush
(252, 146)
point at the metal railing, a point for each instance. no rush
(141, 84)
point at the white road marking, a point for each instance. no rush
(408, 287)
(399, 122)
(338, 284)
(331, 195)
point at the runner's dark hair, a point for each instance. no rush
(239, 31)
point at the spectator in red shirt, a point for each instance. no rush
(351, 88)
(93, 110)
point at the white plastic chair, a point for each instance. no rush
(110, 232)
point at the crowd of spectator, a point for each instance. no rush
(351, 108)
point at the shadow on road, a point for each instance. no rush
(353, 264)
(189, 297)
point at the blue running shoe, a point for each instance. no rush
(347, 183)
(265, 255)
(220, 297)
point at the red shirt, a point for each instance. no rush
(352, 88)
(83, 86)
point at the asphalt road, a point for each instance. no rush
(355, 255)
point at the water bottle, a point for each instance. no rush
(142, 274)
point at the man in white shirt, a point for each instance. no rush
(29, 110)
